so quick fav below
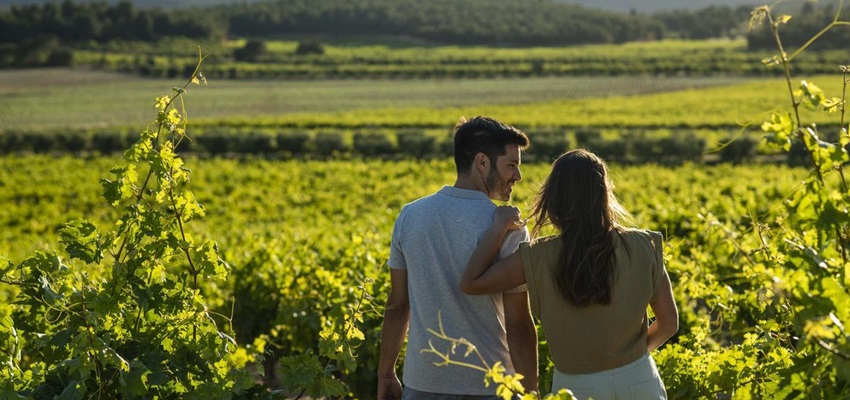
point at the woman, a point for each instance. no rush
(589, 285)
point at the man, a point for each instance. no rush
(432, 241)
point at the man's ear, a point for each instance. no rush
(481, 162)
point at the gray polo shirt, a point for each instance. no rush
(433, 239)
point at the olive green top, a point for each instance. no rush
(597, 337)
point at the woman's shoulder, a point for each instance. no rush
(544, 241)
(636, 234)
(541, 244)
(640, 238)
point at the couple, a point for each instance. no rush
(454, 254)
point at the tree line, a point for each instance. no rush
(31, 34)
(802, 26)
(487, 22)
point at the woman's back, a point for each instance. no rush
(597, 337)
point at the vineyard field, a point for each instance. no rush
(42, 192)
(732, 106)
(73, 102)
(336, 216)
(66, 99)
(405, 58)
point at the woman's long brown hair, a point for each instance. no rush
(577, 199)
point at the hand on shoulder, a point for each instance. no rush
(508, 217)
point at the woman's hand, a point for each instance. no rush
(508, 218)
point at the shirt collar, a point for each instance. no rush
(463, 193)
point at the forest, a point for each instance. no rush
(492, 22)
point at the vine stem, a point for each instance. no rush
(178, 93)
(795, 103)
(832, 350)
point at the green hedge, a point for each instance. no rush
(627, 147)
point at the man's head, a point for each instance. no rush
(489, 149)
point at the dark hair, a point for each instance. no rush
(483, 135)
(578, 200)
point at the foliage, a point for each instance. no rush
(537, 23)
(309, 47)
(119, 312)
(100, 21)
(96, 336)
(252, 51)
(397, 58)
(809, 23)
(774, 325)
(303, 236)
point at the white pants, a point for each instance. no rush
(637, 380)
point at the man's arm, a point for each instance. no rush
(522, 337)
(393, 332)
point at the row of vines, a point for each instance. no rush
(281, 61)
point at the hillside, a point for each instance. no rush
(137, 3)
(642, 6)
(651, 6)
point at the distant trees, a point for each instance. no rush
(495, 22)
(77, 22)
(486, 22)
(801, 27)
(709, 22)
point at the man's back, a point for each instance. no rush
(433, 239)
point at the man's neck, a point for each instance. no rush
(465, 181)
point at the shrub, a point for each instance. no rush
(62, 57)
(74, 141)
(416, 143)
(11, 142)
(327, 144)
(373, 144)
(215, 142)
(251, 52)
(109, 142)
(738, 150)
(255, 143)
(547, 146)
(309, 47)
(293, 143)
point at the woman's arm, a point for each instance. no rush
(666, 316)
(479, 277)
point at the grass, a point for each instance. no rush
(64, 98)
(732, 106)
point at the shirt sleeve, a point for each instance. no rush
(659, 273)
(510, 244)
(531, 282)
(396, 260)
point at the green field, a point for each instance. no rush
(329, 223)
(384, 57)
(54, 99)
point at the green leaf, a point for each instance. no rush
(134, 383)
(779, 130)
(813, 96)
(161, 102)
(327, 386)
(74, 390)
(82, 241)
(210, 263)
(821, 328)
(122, 187)
(300, 371)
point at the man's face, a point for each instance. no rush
(504, 174)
